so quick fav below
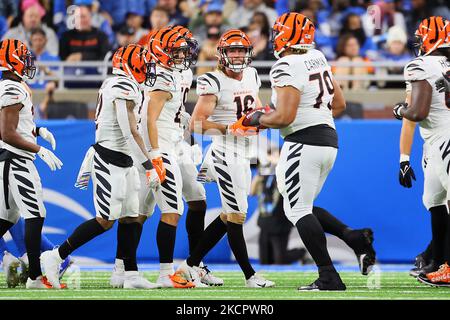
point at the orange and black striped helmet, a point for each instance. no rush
(194, 48)
(135, 61)
(170, 49)
(433, 33)
(15, 57)
(292, 30)
(234, 39)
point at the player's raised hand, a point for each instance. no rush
(406, 174)
(47, 136)
(49, 158)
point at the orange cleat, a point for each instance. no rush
(440, 278)
(175, 281)
(49, 285)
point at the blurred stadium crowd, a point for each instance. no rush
(90, 30)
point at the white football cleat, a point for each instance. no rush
(40, 283)
(257, 281)
(192, 274)
(24, 265)
(208, 278)
(10, 265)
(51, 263)
(133, 280)
(118, 275)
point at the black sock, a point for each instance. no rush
(165, 239)
(195, 225)
(314, 239)
(4, 226)
(138, 235)
(211, 236)
(439, 217)
(447, 241)
(119, 251)
(330, 224)
(33, 232)
(428, 253)
(126, 236)
(239, 248)
(84, 233)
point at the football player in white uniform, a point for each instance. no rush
(306, 97)
(20, 184)
(193, 191)
(224, 96)
(115, 180)
(427, 81)
(434, 194)
(159, 123)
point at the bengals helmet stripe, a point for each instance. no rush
(15, 57)
(433, 33)
(292, 30)
(134, 61)
(164, 45)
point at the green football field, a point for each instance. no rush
(381, 285)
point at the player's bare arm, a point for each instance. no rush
(128, 125)
(8, 127)
(288, 99)
(420, 101)
(203, 109)
(338, 104)
(157, 100)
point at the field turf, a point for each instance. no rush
(379, 285)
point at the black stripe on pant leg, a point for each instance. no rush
(24, 180)
(295, 153)
(6, 183)
(98, 165)
(103, 182)
(17, 167)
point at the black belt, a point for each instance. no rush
(116, 158)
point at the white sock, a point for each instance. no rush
(166, 269)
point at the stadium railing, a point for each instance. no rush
(375, 100)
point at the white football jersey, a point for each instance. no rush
(234, 99)
(168, 122)
(108, 132)
(311, 75)
(431, 68)
(186, 83)
(13, 92)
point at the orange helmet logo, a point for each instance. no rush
(15, 57)
(235, 39)
(433, 33)
(135, 62)
(292, 30)
(170, 49)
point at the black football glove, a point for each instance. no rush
(405, 174)
(397, 109)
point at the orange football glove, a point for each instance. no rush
(157, 163)
(238, 129)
